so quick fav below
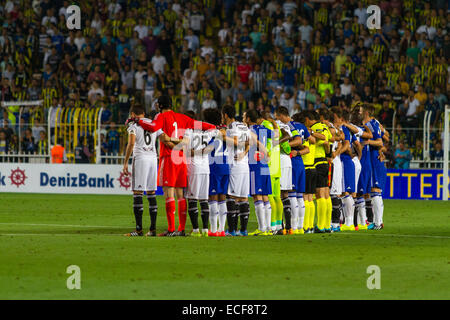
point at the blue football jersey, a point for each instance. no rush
(218, 158)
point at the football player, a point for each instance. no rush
(219, 176)
(322, 134)
(196, 144)
(143, 169)
(299, 134)
(239, 185)
(260, 184)
(172, 163)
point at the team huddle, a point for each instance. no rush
(326, 163)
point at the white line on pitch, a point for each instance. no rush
(392, 235)
(55, 234)
(351, 234)
(58, 225)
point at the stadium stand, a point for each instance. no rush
(251, 53)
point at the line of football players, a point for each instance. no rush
(315, 172)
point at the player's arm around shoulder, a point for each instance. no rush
(358, 148)
(168, 141)
(367, 134)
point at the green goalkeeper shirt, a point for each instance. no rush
(274, 163)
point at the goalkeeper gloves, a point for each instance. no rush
(132, 120)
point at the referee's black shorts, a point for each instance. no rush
(322, 171)
(310, 180)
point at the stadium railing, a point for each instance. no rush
(75, 126)
(24, 158)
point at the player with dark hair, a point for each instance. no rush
(239, 185)
(196, 148)
(144, 169)
(310, 177)
(219, 176)
(260, 184)
(295, 196)
(362, 134)
(341, 117)
(375, 144)
(322, 134)
(337, 183)
(172, 168)
(274, 207)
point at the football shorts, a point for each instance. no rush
(310, 180)
(239, 185)
(276, 191)
(322, 170)
(197, 186)
(260, 184)
(286, 179)
(218, 184)
(171, 174)
(349, 174)
(357, 170)
(337, 182)
(365, 177)
(144, 173)
(298, 176)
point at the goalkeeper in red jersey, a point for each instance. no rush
(172, 175)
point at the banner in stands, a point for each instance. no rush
(414, 184)
(109, 179)
(64, 178)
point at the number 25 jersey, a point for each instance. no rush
(198, 141)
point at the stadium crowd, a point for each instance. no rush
(253, 54)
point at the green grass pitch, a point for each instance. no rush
(40, 235)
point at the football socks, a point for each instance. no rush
(301, 210)
(181, 214)
(294, 209)
(268, 212)
(260, 215)
(193, 213)
(369, 212)
(222, 215)
(170, 213)
(244, 213)
(213, 215)
(153, 210)
(231, 215)
(138, 209)
(204, 206)
(287, 213)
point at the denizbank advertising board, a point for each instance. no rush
(109, 179)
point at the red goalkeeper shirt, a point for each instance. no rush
(173, 124)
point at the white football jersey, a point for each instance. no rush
(198, 140)
(242, 132)
(285, 159)
(145, 144)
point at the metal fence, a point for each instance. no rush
(417, 139)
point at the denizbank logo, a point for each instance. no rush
(81, 180)
(17, 177)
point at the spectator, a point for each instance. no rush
(3, 143)
(437, 154)
(208, 102)
(58, 152)
(402, 156)
(256, 47)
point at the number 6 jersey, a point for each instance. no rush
(145, 144)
